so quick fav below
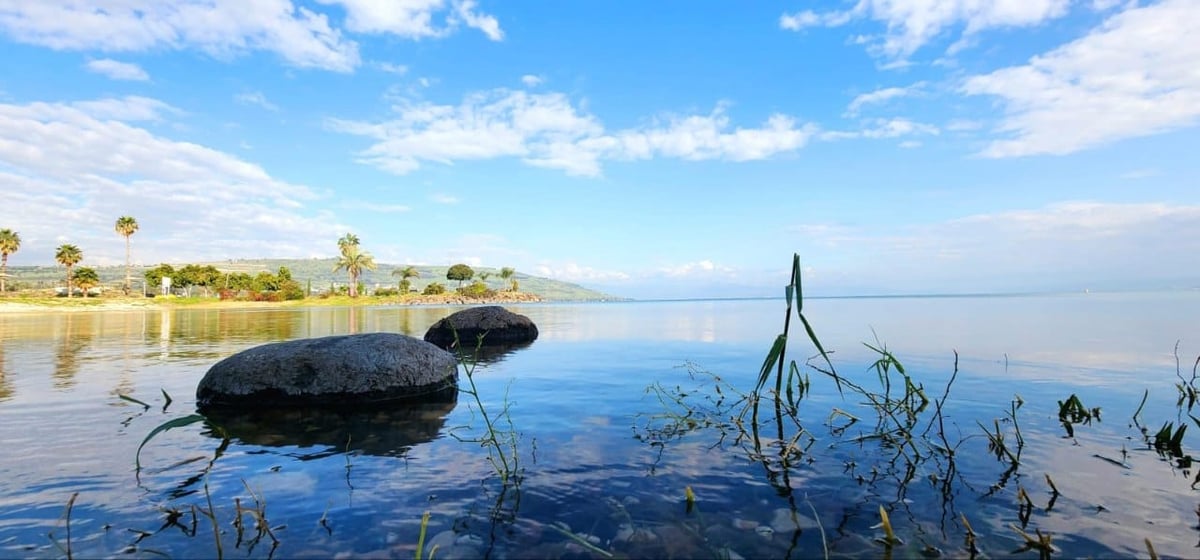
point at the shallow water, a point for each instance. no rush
(596, 452)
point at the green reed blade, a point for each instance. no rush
(796, 282)
(769, 364)
(170, 424)
(134, 401)
(812, 335)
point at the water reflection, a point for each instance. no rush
(387, 432)
(75, 336)
(6, 389)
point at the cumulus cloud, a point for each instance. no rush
(299, 34)
(415, 19)
(1134, 75)
(117, 70)
(573, 272)
(547, 130)
(531, 80)
(911, 24)
(73, 168)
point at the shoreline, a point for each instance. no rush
(126, 304)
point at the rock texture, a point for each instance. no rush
(497, 325)
(359, 369)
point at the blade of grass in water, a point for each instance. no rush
(170, 424)
(134, 401)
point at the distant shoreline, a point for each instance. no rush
(18, 305)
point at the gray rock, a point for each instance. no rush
(497, 325)
(358, 369)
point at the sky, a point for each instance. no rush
(646, 149)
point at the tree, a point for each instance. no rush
(68, 255)
(347, 241)
(483, 277)
(155, 275)
(460, 272)
(238, 281)
(126, 227)
(354, 262)
(434, 288)
(206, 277)
(10, 241)
(86, 278)
(404, 274)
(509, 273)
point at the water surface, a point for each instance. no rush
(596, 452)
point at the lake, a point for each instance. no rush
(604, 462)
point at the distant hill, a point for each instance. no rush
(320, 272)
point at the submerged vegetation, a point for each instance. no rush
(932, 475)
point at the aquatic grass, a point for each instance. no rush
(502, 442)
(66, 518)
(1072, 412)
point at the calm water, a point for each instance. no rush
(598, 456)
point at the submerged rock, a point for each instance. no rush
(347, 370)
(497, 325)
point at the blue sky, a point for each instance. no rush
(647, 149)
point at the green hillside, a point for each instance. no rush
(320, 272)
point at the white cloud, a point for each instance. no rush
(531, 80)
(414, 19)
(698, 268)
(883, 128)
(129, 108)
(963, 125)
(442, 198)
(881, 96)
(391, 68)
(1062, 244)
(255, 98)
(913, 23)
(221, 28)
(1134, 75)
(572, 272)
(465, 9)
(546, 130)
(73, 168)
(117, 70)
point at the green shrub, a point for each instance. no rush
(384, 292)
(290, 289)
(477, 289)
(434, 289)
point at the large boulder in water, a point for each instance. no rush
(357, 369)
(497, 325)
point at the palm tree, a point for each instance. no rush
(354, 262)
(10, 241)
(127, 226)
(507, 273)
(347, 241)
(404, 274)
(68, 255)
(86, 278)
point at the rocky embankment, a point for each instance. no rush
(459, 299)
